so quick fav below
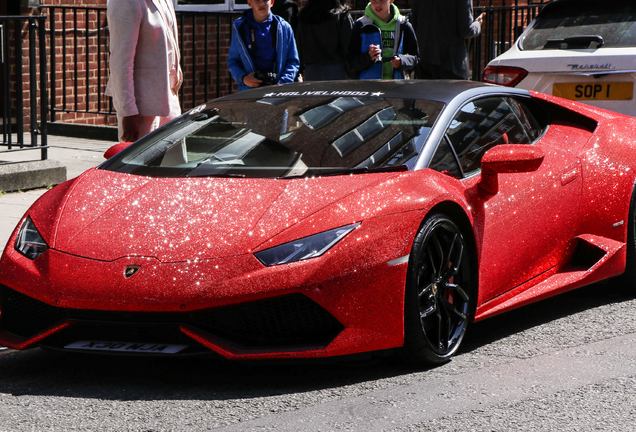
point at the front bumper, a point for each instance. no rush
(278, 323)
(233, 306)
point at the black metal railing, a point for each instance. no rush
(78, 42)
(22, 38)
(501, 27)
(204, 41)
(79, 68)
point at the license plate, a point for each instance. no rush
(594, 91)
(127, 347)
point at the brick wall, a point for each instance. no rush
(79, 83)
(81, 60)
(205, 41)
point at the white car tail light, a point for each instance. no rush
(504, 75)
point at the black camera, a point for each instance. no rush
(268, 78)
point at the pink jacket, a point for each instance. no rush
(139, 65)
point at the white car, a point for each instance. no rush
(577, 49)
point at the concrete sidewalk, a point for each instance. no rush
(76, 154)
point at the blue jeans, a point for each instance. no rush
(325, 72)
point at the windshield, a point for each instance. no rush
(587, 25)
(284, 137)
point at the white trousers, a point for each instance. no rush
(149, 123)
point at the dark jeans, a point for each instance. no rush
(428, 71)
(325, 72)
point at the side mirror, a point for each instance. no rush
(508, 159)
(116, 149)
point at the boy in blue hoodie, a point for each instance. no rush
(382, 44)
(262, 50)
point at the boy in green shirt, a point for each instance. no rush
(383, 44)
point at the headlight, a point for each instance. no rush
(29, 242)
(305, 248)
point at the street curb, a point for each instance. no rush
(31, 175)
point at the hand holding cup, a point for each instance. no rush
(375, 52)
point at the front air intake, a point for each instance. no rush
(279, 322)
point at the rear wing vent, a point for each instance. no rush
(564, 116)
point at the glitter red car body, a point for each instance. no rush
(131, 262)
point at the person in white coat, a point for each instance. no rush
(145, 75)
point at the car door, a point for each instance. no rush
(524, 229)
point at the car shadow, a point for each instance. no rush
(488, 331)
(39, 372)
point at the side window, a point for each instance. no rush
(527, 118)
(481, 125)
(444, 160)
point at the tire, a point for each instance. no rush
(629, 277)
(440, 292)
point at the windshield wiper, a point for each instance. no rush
(582, 41)
(348, 171)
(217, 174)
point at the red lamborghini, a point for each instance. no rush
(325, 219)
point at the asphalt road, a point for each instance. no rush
(566, 364)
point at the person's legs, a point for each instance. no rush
(334, 72)
(120, 129)
(146, 125)
(175, 111)
(149, 123)
(312, 72)
(429, 71)
(325, 72)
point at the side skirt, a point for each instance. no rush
(595, 258)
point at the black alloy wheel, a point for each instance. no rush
(629, 277)
(440, 292)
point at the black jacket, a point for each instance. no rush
(287, 10)
(443, 28)
(326, 41)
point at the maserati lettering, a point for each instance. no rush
(591, 66)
